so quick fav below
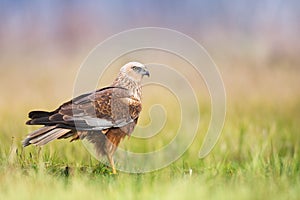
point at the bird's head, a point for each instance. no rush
(135, 71)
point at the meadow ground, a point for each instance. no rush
(257, 156)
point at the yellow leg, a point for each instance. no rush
(112, 164)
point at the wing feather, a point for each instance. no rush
(105, 108)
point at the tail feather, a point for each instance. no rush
(40, 131)
(45, 135)
(39, 118)
(39, 121)
(38, 114)
(56, 133)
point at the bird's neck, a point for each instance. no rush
(130, 84)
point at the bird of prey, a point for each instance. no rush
(103, 117)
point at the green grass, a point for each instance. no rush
(257, 157)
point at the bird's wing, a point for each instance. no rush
(106, 108)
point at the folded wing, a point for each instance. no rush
(106, 108)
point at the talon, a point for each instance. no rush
(114, 171)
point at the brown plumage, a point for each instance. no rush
(103, 117)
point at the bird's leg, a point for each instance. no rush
(112, 164)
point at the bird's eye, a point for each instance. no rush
(135, 68)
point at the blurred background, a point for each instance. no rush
(241, 36)
(254, 43)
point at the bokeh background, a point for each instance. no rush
(255, 44)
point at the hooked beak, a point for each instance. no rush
(145, 72)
